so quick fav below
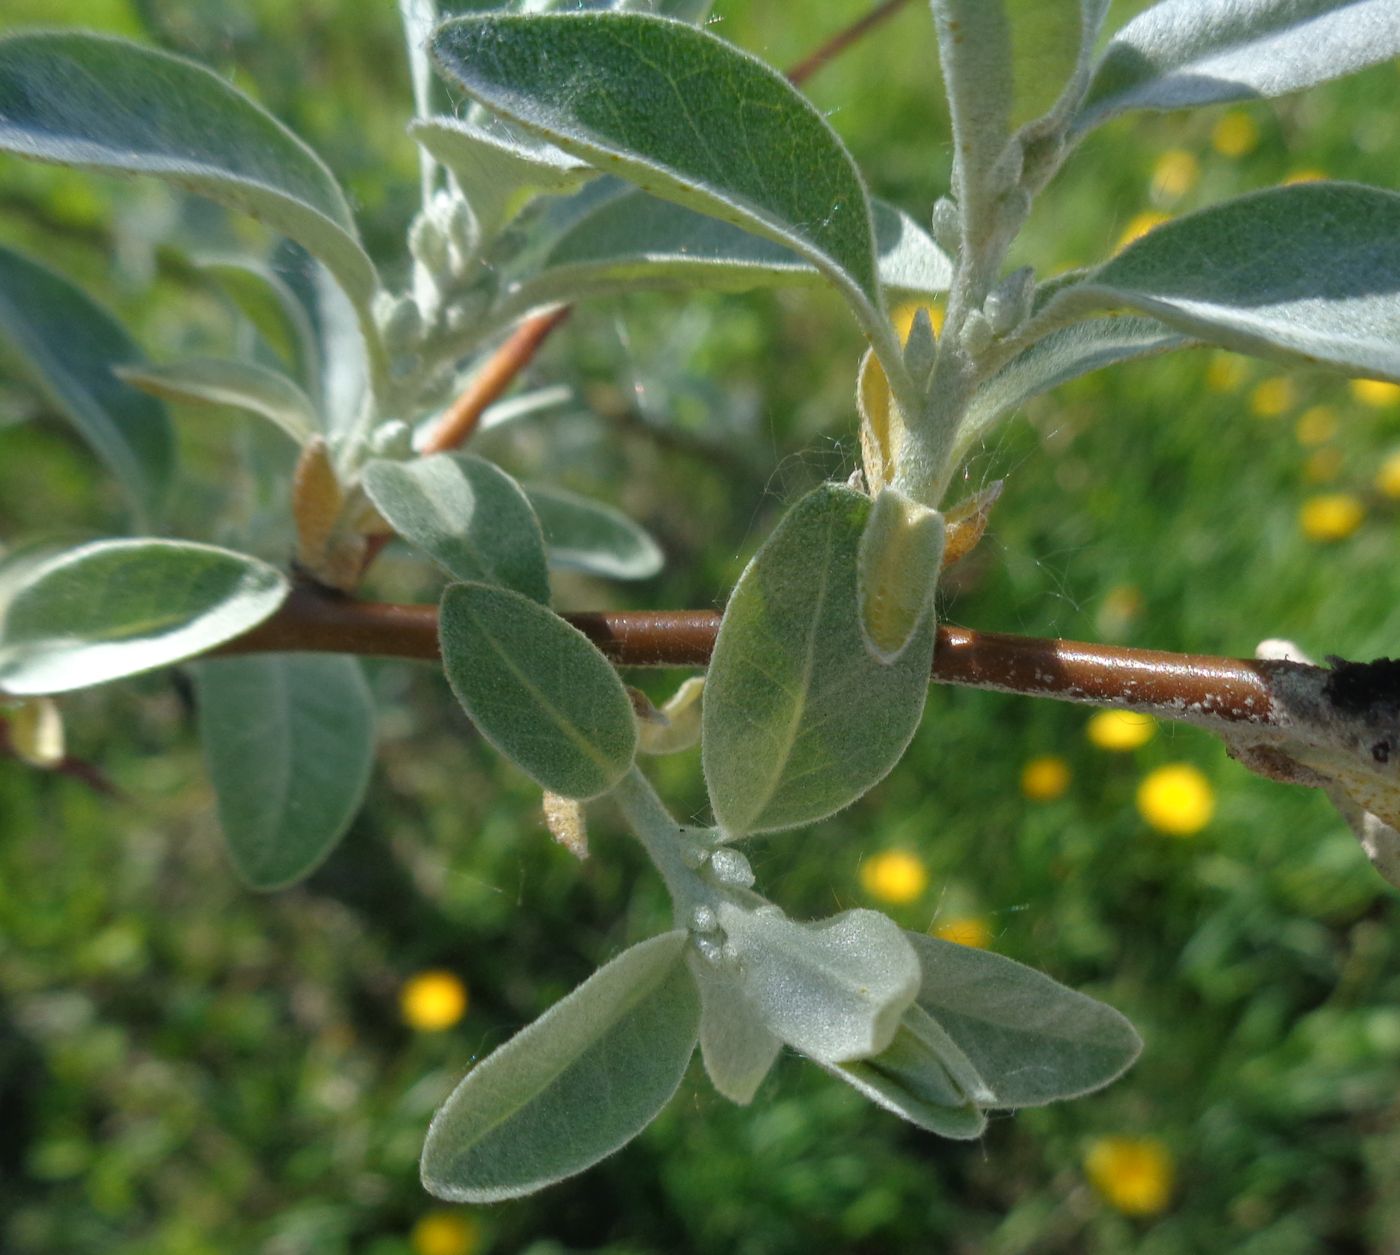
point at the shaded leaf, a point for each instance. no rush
(573, 1087)
(586, 535)
(117, 607)
(225, 381)
(263, 297)
(735, 1043)
(900, 555)
(289, 742)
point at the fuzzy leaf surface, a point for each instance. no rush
(585, 535)
(67, 345)
(799, 718)
(118, 607)
(538, 689)
(289, 743)
(466, 514)
(735, 1043)
(226, 381)
(573, 1087)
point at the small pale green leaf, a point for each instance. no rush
(225, 381)
(1031, 1040)
(1309, 272)
(685, 116)
(118, 607)
(586, 535)
(466, 514)
(901, 551)
(576, 1085)
(538, 689)
(735, 1043)
(67, 346)
(799, 718)
(835, 989)
(1181, 53)
(263, 297)
(289, 741)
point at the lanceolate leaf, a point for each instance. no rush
(118, 607)
(67, 346)
(1309, 272)
(225, 381)
(467, 515)
(289, 740)
(1196, 52)
(737, 1046)
(575, 1086)
(799, 718)
(264, 299)
(104, 104)
(538, 689)
(685, 116)
(590, 536)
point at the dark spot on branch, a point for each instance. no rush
(1380, 751)
(1358, 688)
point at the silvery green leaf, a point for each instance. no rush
(289, 742)
(1180, 53)
(900, 554)
(573, 1087)
(469, 516)
(537, 689)
(799, 718)
(735, 1043)
(1031, 1040)
(118, 607)
(263, 297)
(1062, 355)
(587, 535)
(99, 103)
(225, 381)
(67, 345)
(624, 92)
(834, 989)
(1309, 272)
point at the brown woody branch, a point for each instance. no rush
(842, 40)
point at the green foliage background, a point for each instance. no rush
(186, 1067)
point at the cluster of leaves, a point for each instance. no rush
(587, 164)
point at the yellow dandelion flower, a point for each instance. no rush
(1175, 174)
(1227, 372)
(970, 930)
(1323, 466)
(1316, 425)
(1045, 778)
(896, 876)
(1120, 730)
(1138, 226)
(1306, 174)
(1133, 1174)
(903, 317)
(433, 1001)
(1375, 392)
(1235, 135)
(1330, 516)
(1272, 397)
(1176, 799)
(445, 1233)
(1388, 477)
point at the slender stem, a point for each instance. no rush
(75, 768)
(1193, 688)
(842, 40)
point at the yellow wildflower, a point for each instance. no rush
(1175, 174)
(896, 876)
(445, 1233)
(433, 1001)
(1120, 730)
(1330, 516)
(1272, 397)
(1235, 135)
(1388, 477)
(1176, 799)
(1045, 778)
(1316, 425)
(1226, 372)
(1138, 226)
(1375, 392)
(1323, 466)
(970, 930)
(1134, 1174)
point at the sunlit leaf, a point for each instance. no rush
(224, 381)
(587, 535)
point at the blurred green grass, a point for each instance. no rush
(190, 1068)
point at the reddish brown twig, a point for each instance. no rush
(73, 768)
(842, 40)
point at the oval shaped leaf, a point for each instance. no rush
(289, 742)
(1031, 1040)
(118, 607)
(67, 345)
(576, 1085)
(589, 536)
(538, 689)
(225, 381)
(105, 104)
(469, 516)
(1309, 272)
(685, 116)
(1181, 53)
(799, 718)
(735, 1043)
